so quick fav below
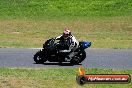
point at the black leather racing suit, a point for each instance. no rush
(70, 43)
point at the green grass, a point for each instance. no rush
(53, 78)
(28, 23)
(102, 33)
(49, 9)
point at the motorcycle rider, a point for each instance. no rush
(68, 41)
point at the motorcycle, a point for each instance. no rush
(52, 52)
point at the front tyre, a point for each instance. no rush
(82, 55)
(78, 58)
(39, 57)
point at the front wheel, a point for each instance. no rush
(78, 58)
(39, 57)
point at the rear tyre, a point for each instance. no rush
(39, 58)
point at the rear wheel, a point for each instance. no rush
(39, 57)
(78, 58)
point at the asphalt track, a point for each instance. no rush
(96, 58)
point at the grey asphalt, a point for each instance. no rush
(96, 58)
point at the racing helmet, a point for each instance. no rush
(66, 33)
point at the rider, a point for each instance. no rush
(68, 41)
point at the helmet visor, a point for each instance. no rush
(65, 35)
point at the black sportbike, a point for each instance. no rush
(52, 51)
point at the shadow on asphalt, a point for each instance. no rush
(60, 64)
